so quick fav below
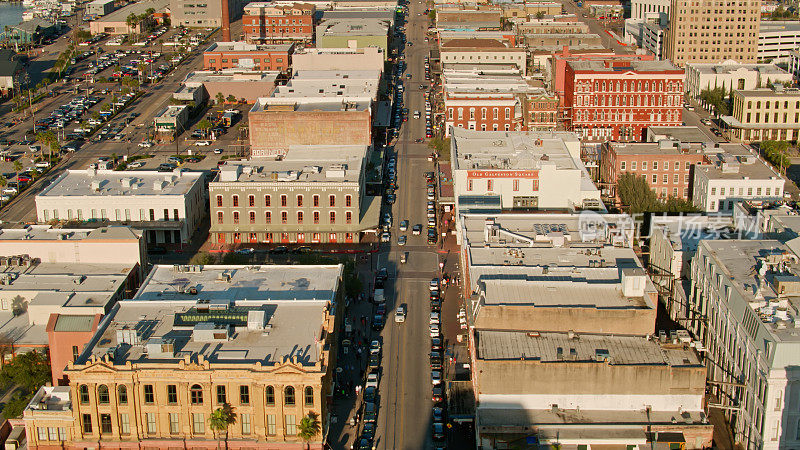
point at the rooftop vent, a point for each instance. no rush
(633, 282)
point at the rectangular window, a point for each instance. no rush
(198, 423)
(245, 419)
(244, 395)
(86, 422)
(713, 191)
(622, 165)
(271, 425)
(655, 165)
(222, 398)
(633, 165)
(105, 423)
(124, 424)
(644, 165)
(149, 394)
(515, 185)
(174, 423)
(251, 200)
(75, 353)
(52, 433)
(267, 201)
(172, 394)
(42, 432)
(489, 185)
(655, 178)
(150, 418)
(291, 425)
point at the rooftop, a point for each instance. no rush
(245, 47)
(303, 164)
(228, 314)
(684, 134)
(736, 162)
(583, 348)
(51, 398)
(731, 66)
(171, 111)
(509, 150)
(136, 8)
(354, 27)
(662, 147)
(351, 84)
(48, 233)
(616, 66)
(775, 91)
(773, 26)
(476, 43)
(109, 183)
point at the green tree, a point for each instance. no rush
(132, 21)
(716, 97)
(441, 147)
(309, 427)
(637, 197)
(205, 125)
(775, 153)
(231, 98)
(220, 98)
(220, 419)
(49, 140)
(17, 168)
(203, 259)
(27, 372)
(540, 15)
(352, 283)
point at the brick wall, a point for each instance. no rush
(272, 132)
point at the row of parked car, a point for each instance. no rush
(437, 365)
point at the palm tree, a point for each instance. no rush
(3, 181)
(17, 168)
(220, 419)
(309, 427)
(220, 98)
(204, 125)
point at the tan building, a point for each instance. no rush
(483, 51)
(764, 114)
(258, 338)
(711, 32)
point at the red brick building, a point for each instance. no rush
(66, 337)
(667, 165)
(264, 22)
(618, 100)
(240, 55)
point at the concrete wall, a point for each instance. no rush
(589, 385)
(366, 59)
(248, 90)
(354, 41)
(639, 322)
(78, 251)
(272, 132)
(60, 345)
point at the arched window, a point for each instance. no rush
(288, 396)
(333, 216)
(308, 397)
(252, 217)
(122, 395)
(270, 395)
(102, 394)
(283, 199)
(299, 216)
(235, 200)
(251, 200)
(299, 201)
(219, 201)
(348, 200)
(268, 217)
(196, 394)
(331, 200)
(267, 200)
(220, 217)
(83, 392)
(236, 217)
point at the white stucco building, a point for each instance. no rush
(522, 171)
(702, 76)
(735, 174)
(743, 305)
(776, 39)
(169, 206)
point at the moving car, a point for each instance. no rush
(416, 230)
(402, 240)
(403, 225)
(400, 314)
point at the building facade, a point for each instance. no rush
(776, 39)
(618, 101)
(160, 385)
(208, 14)
(266, 23)
(244, 56)
(313, 195)
(483, 51)
(763, 114)
(730, 75)
(169, 207)
(667, 165)
(735, 174)
(702, 31)
(744, 290)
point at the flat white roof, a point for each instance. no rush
(301, 163)
(509, 150)
(109, 183)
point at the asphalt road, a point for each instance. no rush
(404, 419)
(570, 7)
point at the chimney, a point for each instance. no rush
(226, 22)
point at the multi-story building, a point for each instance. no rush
(742, 306)
(116, 23)
(475, 20)
(640, 8)
(667, 165)
(482, 51)
(244, 56)
(171, 120)
(558, 63)
(524, 171)
(506, 37)
(358, 33)
(776, 39)
(492, 102)
(189, 13)
(558, 40)
(702, 31)
(247, 85)
(764, 114)
(261, 339)
(736, 173)
(265, 22)
(314, 194)
(551, 27)
(368, 58)
(730, 75)
(618, 100)
(169, 207)
(552, 300)
(315, 108)
(99, 8)
(541, 112)
(794, 63)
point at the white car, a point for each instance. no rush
(416, 114)
(42, 164)
(436, 377)
(145, 144)
(434, 284)
(217, 151)
(375, 347)
(401, 241)
(202, 143)
(403, 225)
(435, 318)
(10, 191)
(372, 380)
(135, 165)
(434, 329)
(400, 314)
(386, 236)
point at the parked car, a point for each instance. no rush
(400, 314)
